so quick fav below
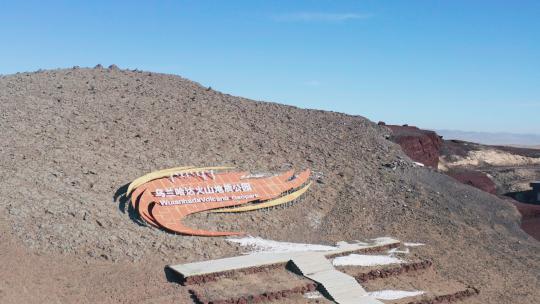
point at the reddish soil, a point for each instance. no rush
(530, 222)
(473, 178)
(420, 145)
(532, 227)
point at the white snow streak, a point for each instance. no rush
(394, 294)
(381, 240)
(313, 295)
(258, 244)
(365, 260)
(413, 244)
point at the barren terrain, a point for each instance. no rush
(73, 138)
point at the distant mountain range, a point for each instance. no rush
(488, 138)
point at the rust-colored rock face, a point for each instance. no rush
(530, 222)
(476, 179)
(420, 145)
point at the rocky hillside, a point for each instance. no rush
(505, 171)
(73, 138)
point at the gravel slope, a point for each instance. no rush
(72, 138)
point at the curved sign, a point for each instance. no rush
(163, 198)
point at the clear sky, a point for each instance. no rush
(468, 65)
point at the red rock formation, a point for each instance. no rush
(530, 221)
(422, 146)
(476, 179)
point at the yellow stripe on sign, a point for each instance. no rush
(279, 201)
(165, 172)
(151, 176)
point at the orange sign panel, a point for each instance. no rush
(165, 197)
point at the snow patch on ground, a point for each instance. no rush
(382, 240)
(258, 244)
(365, 260)
(394, 294)
(413, 244)
(313, 295)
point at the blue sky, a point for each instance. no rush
(468, 65)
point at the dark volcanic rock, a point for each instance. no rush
(420, 145)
